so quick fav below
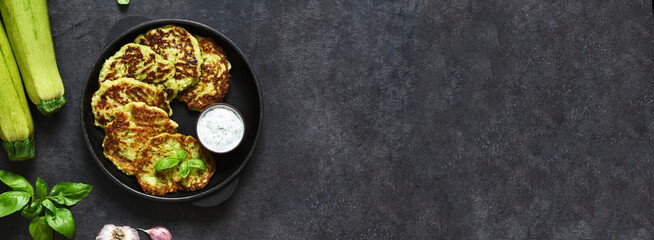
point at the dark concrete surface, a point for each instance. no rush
(399, 120)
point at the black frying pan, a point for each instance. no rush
(243, 94)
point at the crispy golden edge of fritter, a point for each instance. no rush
(214, 81)
(112, 141)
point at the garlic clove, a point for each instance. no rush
(111, 232)
(159, 233)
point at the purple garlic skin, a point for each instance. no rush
(159, 233)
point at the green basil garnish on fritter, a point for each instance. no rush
(180, 158)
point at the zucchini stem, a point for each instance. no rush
(20, 150)
(49, 107)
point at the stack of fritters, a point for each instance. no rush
(132, 104)
(112, 96)
(131, 128)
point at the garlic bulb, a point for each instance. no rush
(111, 232)
(159, 233)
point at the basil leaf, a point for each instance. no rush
(60, 219)
(69, 193)
(48, 205)
(32, 210)
(40, 230)
(41, 188)
(13, 201)
(16, 182)
(166, 163)
(181, 154)
(197, 163)
(184, 169)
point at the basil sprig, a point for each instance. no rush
(185, 165)
(57, 216)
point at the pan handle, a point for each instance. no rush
(218, 197)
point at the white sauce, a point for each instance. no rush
(220, 129)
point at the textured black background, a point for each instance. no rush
(409, 120)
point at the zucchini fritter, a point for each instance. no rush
(141, 63)
(130, 130)
(169, 180)
(178, 46)
(113, 95)
(214, 80)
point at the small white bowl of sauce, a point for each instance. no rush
(220, 128)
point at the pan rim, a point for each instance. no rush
(148, 24)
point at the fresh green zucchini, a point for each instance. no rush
(16, 125)
(28, 28)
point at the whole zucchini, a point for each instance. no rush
(28, 28)
(16, 125)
